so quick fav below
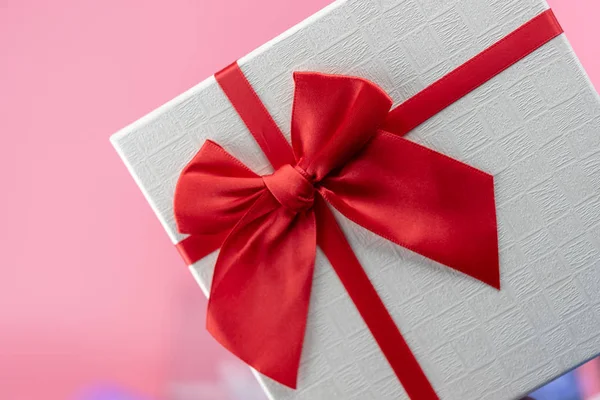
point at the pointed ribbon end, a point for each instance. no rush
(288, 379)
(283, 372)
(490, 273)
(495, 282)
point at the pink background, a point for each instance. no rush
(91, 290)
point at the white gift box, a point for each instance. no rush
(535, 127)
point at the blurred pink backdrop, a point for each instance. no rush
(91, 290)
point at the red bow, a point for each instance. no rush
(418, 198)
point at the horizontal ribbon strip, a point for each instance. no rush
(474, 73)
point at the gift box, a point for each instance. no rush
(534, 125)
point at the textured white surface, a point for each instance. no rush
(536, 127)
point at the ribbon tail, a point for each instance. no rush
(422, 200)
(261, 286)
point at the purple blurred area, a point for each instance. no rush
(107, 392)
(582, 383)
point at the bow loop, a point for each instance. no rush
(214, 191)
(333, 118)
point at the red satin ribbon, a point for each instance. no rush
(474, 73)
(268, 227)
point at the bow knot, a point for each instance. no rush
(292, 187)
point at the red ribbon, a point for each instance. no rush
(346, 150)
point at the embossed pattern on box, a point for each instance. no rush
(536, 127)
